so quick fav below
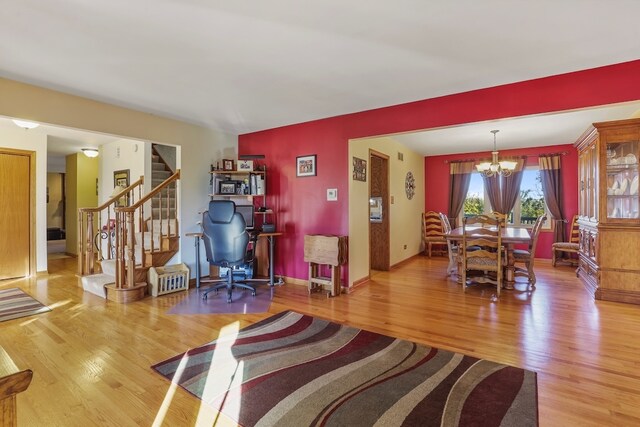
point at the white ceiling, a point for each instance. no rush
(520, 132)
(243, 66)
(63, 141)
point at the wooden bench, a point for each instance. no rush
(12, 382)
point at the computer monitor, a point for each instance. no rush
(247, 212)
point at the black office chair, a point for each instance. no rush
(226, 243)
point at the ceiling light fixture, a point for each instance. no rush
(495, 167)
(25, 124)
(90, 152)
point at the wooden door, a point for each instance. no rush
(15, 214)
(379, 231)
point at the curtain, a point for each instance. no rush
(503, 191)
(460, 176)
(552, 190)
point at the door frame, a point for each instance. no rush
(386, 206)
(32, 203)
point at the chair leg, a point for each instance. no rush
(429, 253)
(532, 275)
(553, 258)
(229, 285)
(464, 278)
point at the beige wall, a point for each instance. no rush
(81, 176)
(200, 146)
(405, 215)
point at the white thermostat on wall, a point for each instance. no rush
(332, 194)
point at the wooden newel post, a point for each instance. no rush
(131, 261)
(81, 255)
(88, 243)
(119, 250)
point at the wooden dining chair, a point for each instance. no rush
(527, 256)
(452, 247)
(432, 231)
(570, 247)
(481, 251)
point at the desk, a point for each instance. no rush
(510, 236)
(197, 237)
(270, 239)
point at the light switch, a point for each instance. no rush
(392, 200)
(332, 194)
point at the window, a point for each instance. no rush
(529, 205)
(476, 202)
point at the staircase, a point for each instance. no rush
(161, 171)
(124, 242)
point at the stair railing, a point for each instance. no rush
(96, 239)
(126, 229)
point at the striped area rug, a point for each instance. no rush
(296, 370)
(15, 303)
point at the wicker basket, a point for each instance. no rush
(167, 279)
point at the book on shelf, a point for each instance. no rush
(260, 185)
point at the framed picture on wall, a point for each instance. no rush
(121, 179)
(359, 169)
(306, 165)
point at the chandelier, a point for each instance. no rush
(495, 167)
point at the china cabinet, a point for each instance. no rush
(609, 210)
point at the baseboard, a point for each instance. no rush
(300, 282)
(618, 295)
(403, 262)
(360, 281)
(294, 281)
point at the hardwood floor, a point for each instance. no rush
(91, 358)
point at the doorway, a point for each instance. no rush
(17, 213)
(379, 256)
(56, 232)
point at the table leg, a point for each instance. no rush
(509, 270)
(197, 238)
(271, 278)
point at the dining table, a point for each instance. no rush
(511, 236)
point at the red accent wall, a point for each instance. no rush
(301, 202)
(436, 175)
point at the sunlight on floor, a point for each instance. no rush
(227, 371)
(162, 412)
(227, 376)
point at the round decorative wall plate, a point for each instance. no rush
(410, 185)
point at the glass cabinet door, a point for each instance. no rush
(623, 201)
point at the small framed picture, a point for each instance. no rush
(227, 187)
(227, 165)
(121, 178)
(359, 169)
(245, 165)
(306, 165)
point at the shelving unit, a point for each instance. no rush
(609, 210)
(243, 185)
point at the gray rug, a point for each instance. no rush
(15, 303)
